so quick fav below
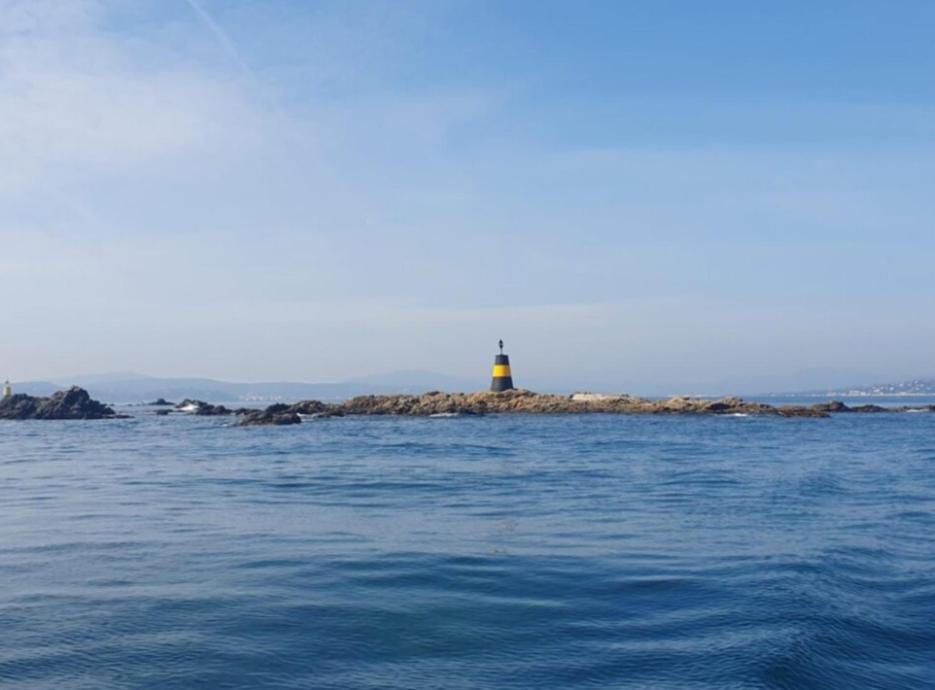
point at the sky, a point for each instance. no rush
(664, 197)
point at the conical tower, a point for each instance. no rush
(502, 376)
(7, 390)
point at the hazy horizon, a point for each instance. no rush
(422, 380)
(698, 198)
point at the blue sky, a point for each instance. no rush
(652, 197)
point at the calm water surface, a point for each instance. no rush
(497, 552)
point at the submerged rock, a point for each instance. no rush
(797, 411)
(161, 402)
(74, 403)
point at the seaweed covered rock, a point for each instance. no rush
(74, 403)
(838, 407)
(833, 406)
(269, 418)
(309, 407)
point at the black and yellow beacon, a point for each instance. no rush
(502, 377)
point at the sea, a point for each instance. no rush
(589, 551)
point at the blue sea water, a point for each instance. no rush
(494, 552)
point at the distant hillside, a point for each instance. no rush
(418, 381)
(137, 388)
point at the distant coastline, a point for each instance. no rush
(846, 395)
(129, 389)
(915, 388)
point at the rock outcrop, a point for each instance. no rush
(282, 414)
(74, 403)
(438, 404)
(527, 402)
(838, 407)
(833, 406)
(310, 407)
(203, 409)
(270, 418)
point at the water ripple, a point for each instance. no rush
(499, 552)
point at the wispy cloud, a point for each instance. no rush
(86, 112)
(223, 38)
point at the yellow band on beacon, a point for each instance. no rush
(501, 370)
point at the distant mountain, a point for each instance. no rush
(106, 377)
(915, 387)
(136, 388)
(417, 381)
(40, 388)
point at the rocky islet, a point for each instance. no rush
(441, 404)
(73, 403)
(76, 403)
